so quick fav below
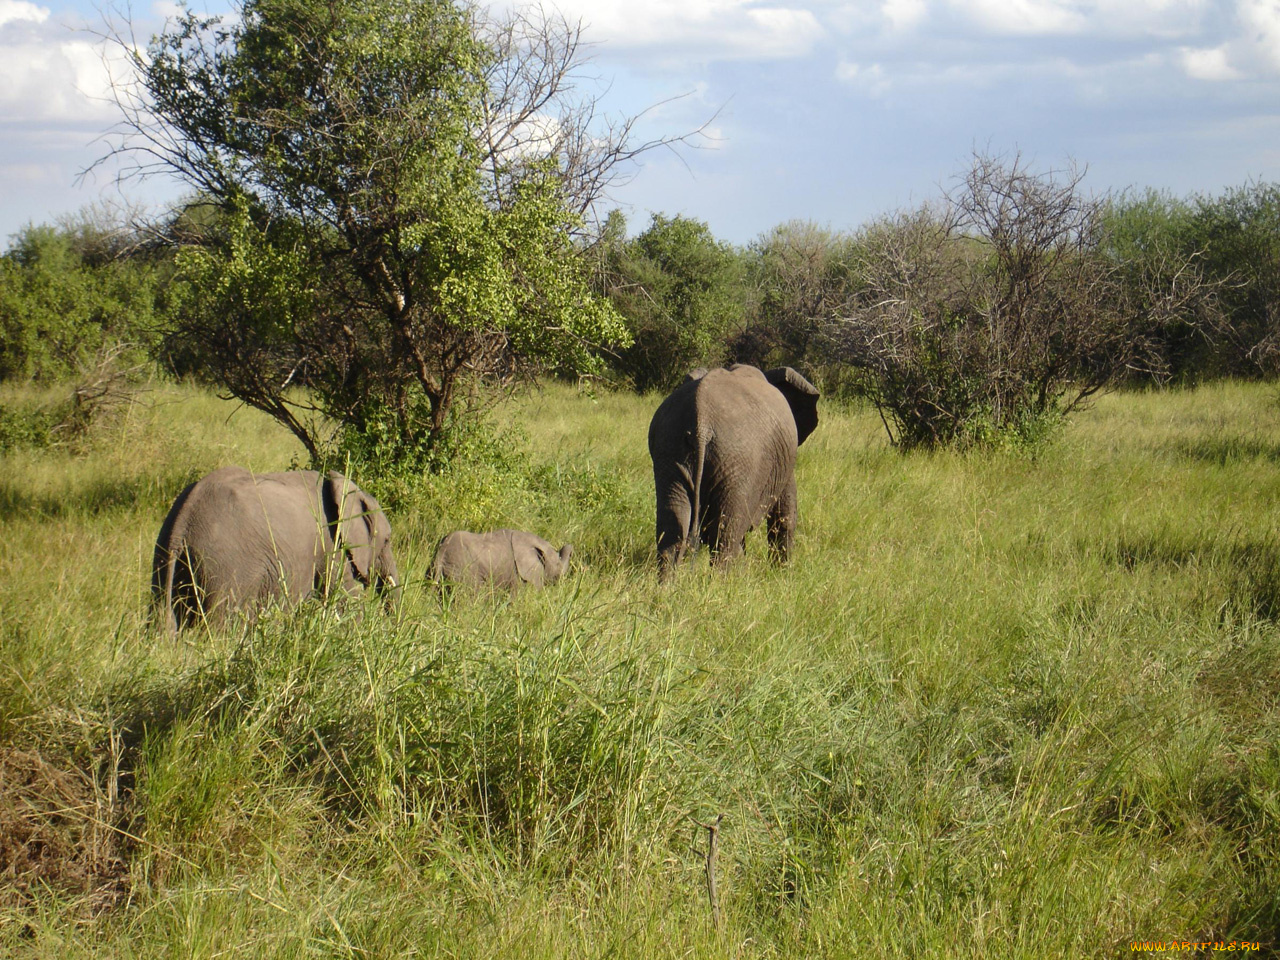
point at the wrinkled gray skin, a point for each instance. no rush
(235, 540)
(723, 446)
(500, 558)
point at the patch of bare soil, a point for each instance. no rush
(58, 833)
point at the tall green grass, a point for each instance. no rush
(997, 705)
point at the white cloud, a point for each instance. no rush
(1153, 18)
(871, 80)
(167, 9)
(25, 87)
(778, 33)
(864, 18)
(92, 73)
(1252, 49)
(17, 11)
(51, 78)
(713, 138)
(1024, 17)
(702, 29)
(904, 14)
(1261, 22)
(27, 173)
(532, 138)
(1112, 19)
(1210, 64)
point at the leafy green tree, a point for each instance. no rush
(1153, 239)
(1231, 241)
(679, 289)
(1237, 241)
(362, 248)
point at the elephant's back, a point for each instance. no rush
(245, 528)
(507, 538)
(453, 552)
(225, 498)
(744, 410)
(187, 551)
(465, 556)
(257, 499)
(191, 505)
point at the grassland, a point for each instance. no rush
(998, 705)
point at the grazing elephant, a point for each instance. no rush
(501, 558)
(723, 446)
(235, 540)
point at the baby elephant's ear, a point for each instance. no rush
(530, 562)
(802, 397)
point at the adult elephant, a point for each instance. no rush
(236, 540)
(723, 446)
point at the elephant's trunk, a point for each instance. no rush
(391, 590)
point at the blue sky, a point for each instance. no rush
(829, 111)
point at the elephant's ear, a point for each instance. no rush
(802, 397)
(530, 562)
(354, 522)
(697, 373)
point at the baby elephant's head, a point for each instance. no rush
(557, 565)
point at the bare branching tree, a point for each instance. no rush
(912, 282)
(540, 101)
(1001, 310)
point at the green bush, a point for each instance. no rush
(64, 302)
(475, 475)
(799, 276)
(400, 470)
(1237, 236)
(24, 425)
(680, 292)
(1231, 240)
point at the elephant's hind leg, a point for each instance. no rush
(673, 524)
(188, 599)
(781, 520)
(726, 531)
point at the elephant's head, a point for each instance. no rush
(552, 565)
(361, 531)
(802, 398)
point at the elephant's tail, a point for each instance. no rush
(700, 441)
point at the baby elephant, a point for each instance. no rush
(501, 558)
